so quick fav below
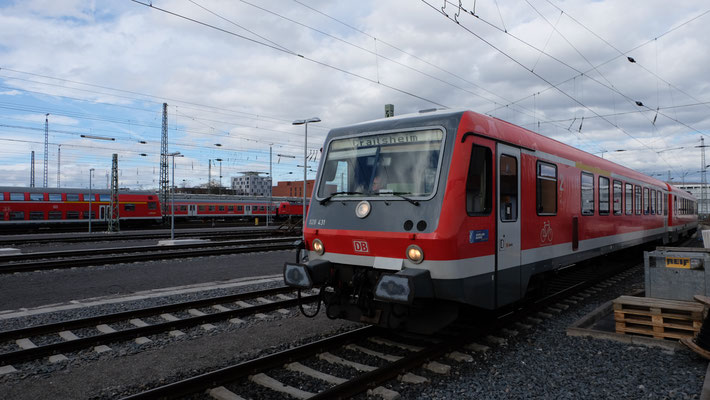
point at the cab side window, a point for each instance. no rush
(479, 192)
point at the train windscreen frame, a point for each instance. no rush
(403, 162)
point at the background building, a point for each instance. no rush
(251, 184)
(293, 188)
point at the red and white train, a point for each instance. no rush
(22, 206)
(33, 207)
(416, 215)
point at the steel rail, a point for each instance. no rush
(132, 333)
(134, 249)
(55, 327)
(127, 258)
(379, 376)
(229, 374)
(83, 237)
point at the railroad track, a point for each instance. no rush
(407, 353)
(60, 339)
(163, 234)
(80, 258)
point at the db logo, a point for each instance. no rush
(361, 246)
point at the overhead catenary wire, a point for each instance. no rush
(556, 87)
(312, 60)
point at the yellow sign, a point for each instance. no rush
(678, 262)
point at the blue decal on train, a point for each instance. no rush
(478, 236)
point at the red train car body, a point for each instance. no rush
(45, 206)
(415, 215)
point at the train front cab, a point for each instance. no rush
(471, 250)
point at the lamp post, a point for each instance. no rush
(220, 174)
(305, 160)
(91, 171)
(271, 188)
(172, 196)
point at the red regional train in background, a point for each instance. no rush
(22, 207)
(416, 215)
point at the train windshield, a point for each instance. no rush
(401, 163)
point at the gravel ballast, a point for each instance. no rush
(540, 362)
(545, 363)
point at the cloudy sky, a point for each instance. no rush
(235, 74)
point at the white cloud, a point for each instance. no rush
(134, 48)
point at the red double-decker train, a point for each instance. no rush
(416, 215)
(22, 207)
(44, 206)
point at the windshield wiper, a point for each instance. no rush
(401, 195)
(330, 196)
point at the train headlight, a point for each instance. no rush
(318, 247)
(363, 209)
(415, 254)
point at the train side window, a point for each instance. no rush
(653, 201)
(478, 183)
(17, 197)
(183, 208)
(36, 196)
(639, 201)
(629, 205)
(201, 208)
(17, 215)
(675, 205)
(72, 197)
(55, 215)
(546, 189)
(508, 180)
(603, 195)
(72, 214)
(618, 201)
(587, 188)
(230, 208)
(129, 207)
(105, 197)
(211, 207)
(646, 201)
(239, 208)
(221, 208)
(36, 215)
(152, 205)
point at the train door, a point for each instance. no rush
(508, 223)
(191, 210)
(103, 213)
(247, 210)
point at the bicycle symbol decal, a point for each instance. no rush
(546, 233)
